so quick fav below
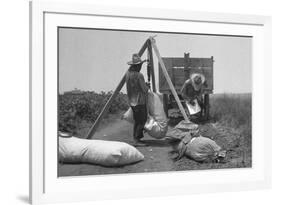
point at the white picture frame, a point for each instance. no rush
(45, 187)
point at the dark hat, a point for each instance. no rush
(135, 59)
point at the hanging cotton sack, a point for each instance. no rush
(156, 129)
(157, 122)
(155, 106)
(106, 153)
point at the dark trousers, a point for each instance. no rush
(140, 117)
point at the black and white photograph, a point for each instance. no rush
(148, 101)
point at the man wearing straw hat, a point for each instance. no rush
(192, 89)
(137, 91)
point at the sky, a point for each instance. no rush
(96, 60)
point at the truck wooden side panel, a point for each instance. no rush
(180, 69)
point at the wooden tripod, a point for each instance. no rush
(149, 44)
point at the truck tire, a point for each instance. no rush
(206, 106)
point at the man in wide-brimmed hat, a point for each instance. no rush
(193, 88)
(137, 91)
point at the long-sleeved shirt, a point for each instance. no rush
(188, 92)
(136, 88)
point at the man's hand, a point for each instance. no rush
(199, 99)
(191, 102)
(147, 84)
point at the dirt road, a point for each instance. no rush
(158, 155)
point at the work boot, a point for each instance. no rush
(138, 143)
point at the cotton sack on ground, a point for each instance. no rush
(106, 153)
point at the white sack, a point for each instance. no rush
(128, 116)
(156, 129)
(157, 122)
(155, 106)
(106, 153)
(193, 109)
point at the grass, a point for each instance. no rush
(233, 111)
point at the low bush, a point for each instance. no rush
(73, 108)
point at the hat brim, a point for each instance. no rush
(132, 63)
